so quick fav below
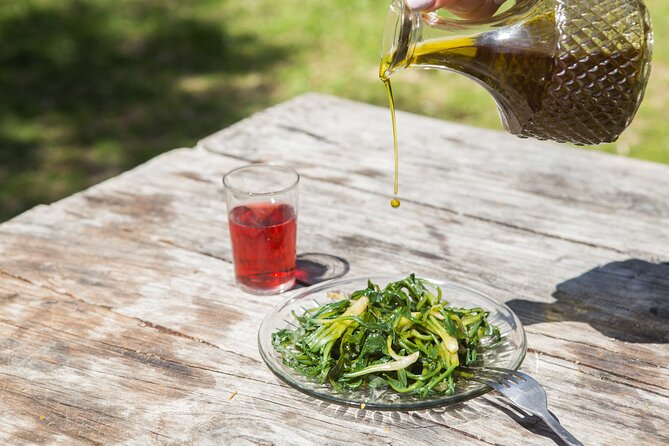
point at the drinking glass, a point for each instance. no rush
(262, 216)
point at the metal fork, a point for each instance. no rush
(526, 393)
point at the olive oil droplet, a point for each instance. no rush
(395, 202)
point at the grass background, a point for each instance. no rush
(90, 88)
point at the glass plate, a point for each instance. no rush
(507, 354)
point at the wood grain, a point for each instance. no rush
(120, 322)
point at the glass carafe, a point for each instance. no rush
(567, 70)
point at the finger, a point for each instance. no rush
(467, 9)
(422, 5)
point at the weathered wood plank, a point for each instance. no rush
(73, 357)
(81, 372)
(515, 256)
(150, 304)
(122, 324)
(555, 190)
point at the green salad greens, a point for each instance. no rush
(403, 336)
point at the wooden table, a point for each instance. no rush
(120, 321)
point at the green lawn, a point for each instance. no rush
(90, 88)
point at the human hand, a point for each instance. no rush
(467, 9)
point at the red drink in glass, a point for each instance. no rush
(263, 244)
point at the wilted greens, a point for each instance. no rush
(403, 336)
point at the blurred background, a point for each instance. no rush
(91, 88)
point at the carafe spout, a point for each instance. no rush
(398, 38)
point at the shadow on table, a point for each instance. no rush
(627, 301)
(89, 88)
(315, 267)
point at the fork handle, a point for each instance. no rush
(554, 424)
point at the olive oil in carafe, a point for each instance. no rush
(545, 90)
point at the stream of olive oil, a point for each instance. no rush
(395, 202)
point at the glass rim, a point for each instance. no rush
(275, 166)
